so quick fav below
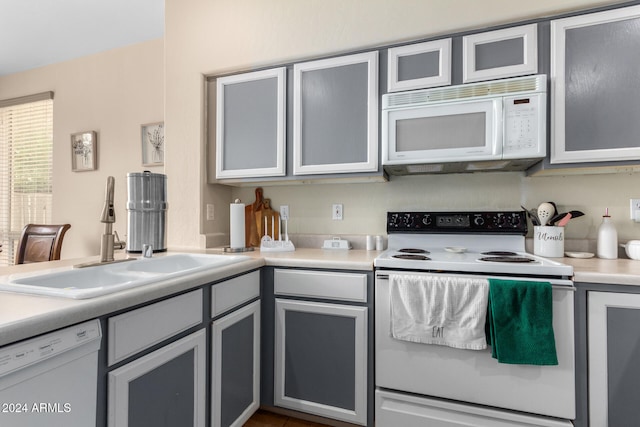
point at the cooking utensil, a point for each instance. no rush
(576, 214)
(545, 212)
(557, 218)
(564, 221)
(555, 209)
(533, 215)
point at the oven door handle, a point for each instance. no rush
(554, 286)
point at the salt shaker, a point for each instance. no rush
(370, 242)
(379, 243)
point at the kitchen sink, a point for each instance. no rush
(81, 283)
(179, 262)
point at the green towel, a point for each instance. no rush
(520, 322)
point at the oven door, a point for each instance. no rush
(473, 376)
(447, 132)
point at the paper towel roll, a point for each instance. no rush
(236, 226)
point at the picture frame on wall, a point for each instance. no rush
(152, 137)
(84, 151)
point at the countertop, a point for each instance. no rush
(622, 271)
(23, 316)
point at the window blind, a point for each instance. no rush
(26, 167)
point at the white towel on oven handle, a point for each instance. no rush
(443, 310)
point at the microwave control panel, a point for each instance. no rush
(524, 126)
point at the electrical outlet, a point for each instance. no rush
(634, 209)
(284, 212)
(337, 211)
(210, 212)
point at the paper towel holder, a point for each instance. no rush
(230, 249)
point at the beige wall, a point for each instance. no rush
(112, 93)
(210, 37)
(116, 91)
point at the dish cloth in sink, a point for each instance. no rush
(520, 322)
(443, 310)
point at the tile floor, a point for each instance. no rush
(269, 419)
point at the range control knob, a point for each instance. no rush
(394, 220)
(514, 220)
(500, 220)
(478, 220)
(426, 219)
(407, 220)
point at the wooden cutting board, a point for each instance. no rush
(269, 218)
(251, 235)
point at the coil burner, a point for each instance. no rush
(413, 251)
(519, 259)
(414, 257)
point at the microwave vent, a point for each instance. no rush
(535, 83)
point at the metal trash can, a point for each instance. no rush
(146, 211)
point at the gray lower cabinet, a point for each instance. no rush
(613, 358)
(235, 350)
(157, 360)
(321, 347)
(164, 387)
(235, 373)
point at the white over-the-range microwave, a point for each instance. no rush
(494, 125)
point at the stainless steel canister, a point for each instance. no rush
(146, 211)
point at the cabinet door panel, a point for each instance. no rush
(165, 387)
(501, 53)
(614, 351)
(335, 117)
(250, 124)
(235, 371)
(152, 403)
(320, 359)
(623, 372)
(419, 65)
(595, 87)
(317, 340)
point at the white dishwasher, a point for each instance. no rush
(51, 379)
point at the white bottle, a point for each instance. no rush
(607, 238)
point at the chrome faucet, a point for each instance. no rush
(110, 238)
(108, 218)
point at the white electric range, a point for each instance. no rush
(421, 384)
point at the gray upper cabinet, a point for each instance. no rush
(250, 124)
(335, 115)
(595, 90)
(499, 54)
(420, 65)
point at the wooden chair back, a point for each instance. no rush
(40, 243)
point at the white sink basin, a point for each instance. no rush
(90, 282)
(179, 262)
